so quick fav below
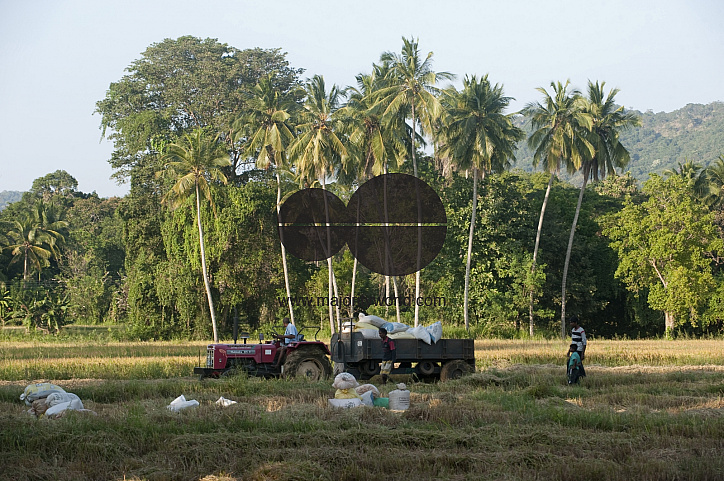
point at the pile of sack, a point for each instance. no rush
(351, 393)
(369, 326)
(51, 401)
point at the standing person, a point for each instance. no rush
(574, 364)
(389, 355)
(290, 335)
(578, 337)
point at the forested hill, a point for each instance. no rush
(694, 132)
(8, 197)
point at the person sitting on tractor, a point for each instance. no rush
(290, 335)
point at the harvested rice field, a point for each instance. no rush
(647, 410)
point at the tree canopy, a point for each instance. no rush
(236, 132)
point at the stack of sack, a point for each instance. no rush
(369, 327)
(351, 394)
(49, 400)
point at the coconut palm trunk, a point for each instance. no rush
(388, 258)
(203, 267)
(669, 322)
(535, 249)
(26, 271)
(586, 171)
(419, 217)
(470, 247)
(397, 298)
(284, 251)
(351, 293)
(332, 282)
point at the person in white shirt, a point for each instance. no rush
(290, 335)
(578, 337)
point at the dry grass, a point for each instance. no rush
(659, 417)
(167, 360)
(603, 352)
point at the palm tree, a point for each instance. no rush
(320, 151)
(714, 184)
(689, 171)
(194, 163)
(607, 119)
(268, 116)
(479, 136)
(48, 218)
(559, 125)
(29, 243)
(695, 177)
(35, 238)
(413, 90)
(376, 144)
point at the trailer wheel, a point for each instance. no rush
(426, 368)
(313, 366)
(455, 370)
(369, 368)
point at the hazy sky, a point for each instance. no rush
(57, 58)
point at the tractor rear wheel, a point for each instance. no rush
(455, 370)
(309, 364)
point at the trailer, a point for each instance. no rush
(444, 360)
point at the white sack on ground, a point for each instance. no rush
(367, 387)
(64, 397)
(181, 403)
(36, 391)
(400, 398)
(368, 399)
(54, 411)
(345, 403)
(222, 401)
(345, 380)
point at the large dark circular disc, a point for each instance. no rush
(386, 237)
(313, 224)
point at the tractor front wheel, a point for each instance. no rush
(313, 366)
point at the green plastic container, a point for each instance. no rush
(381, 402)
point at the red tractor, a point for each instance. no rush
(308, 359)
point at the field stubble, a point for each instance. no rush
(647, 410)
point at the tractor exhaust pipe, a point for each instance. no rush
(236, 324)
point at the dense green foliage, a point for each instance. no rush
(666, 245)
(70, 257)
